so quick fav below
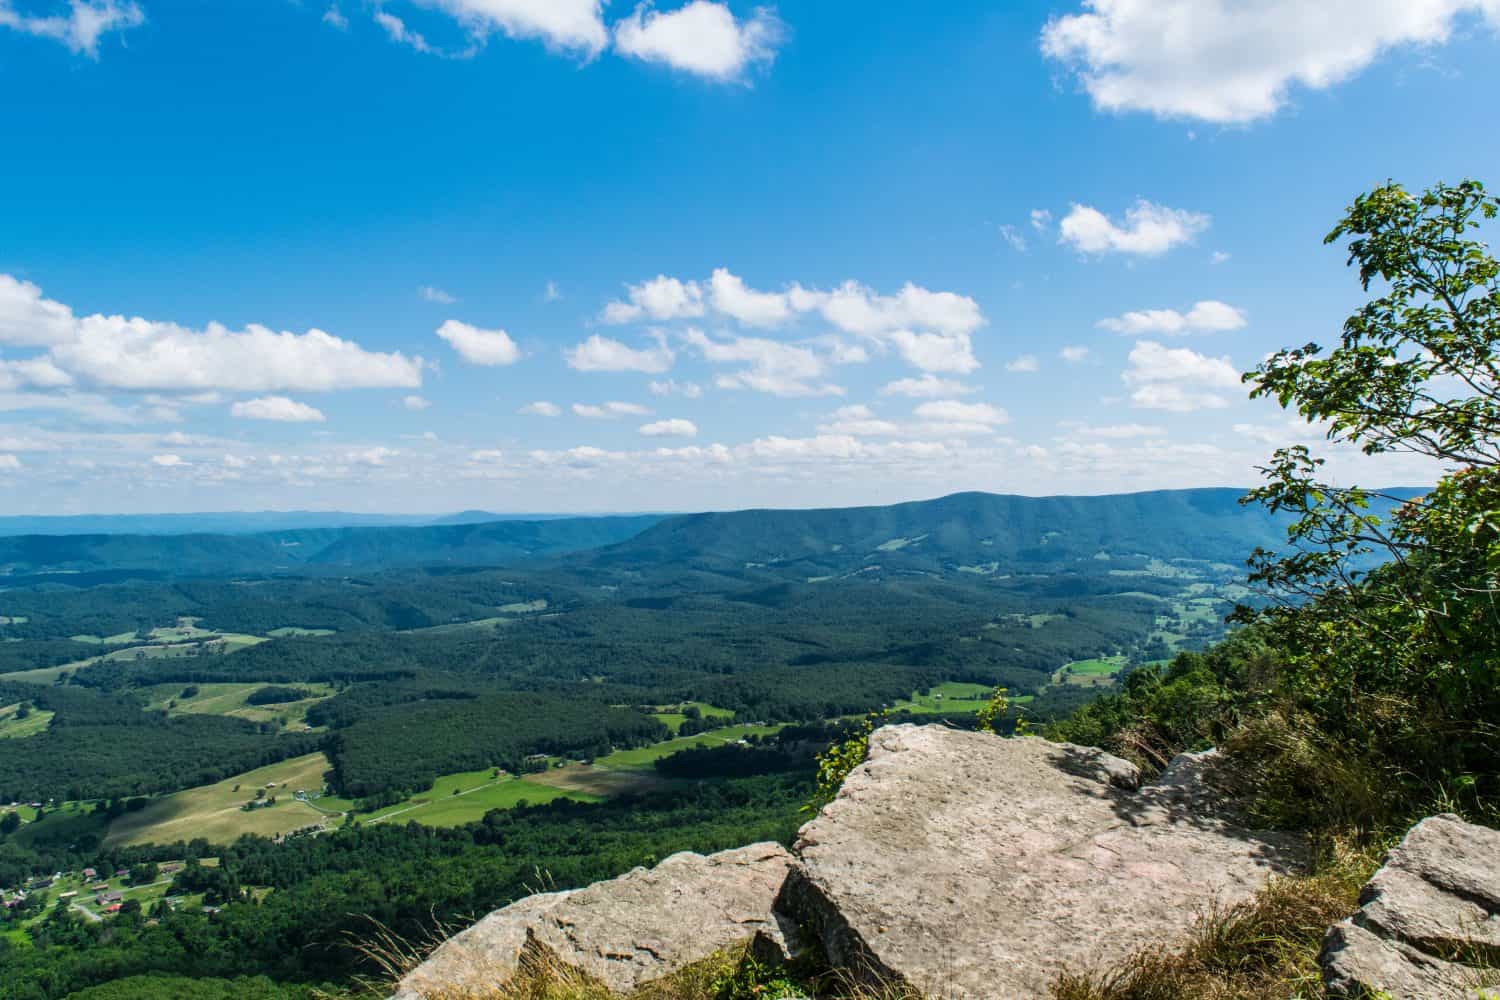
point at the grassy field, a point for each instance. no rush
(457, 799)
(292, 632)
(230, 699)
(42, 675)
(672, 716)
(1099, 672)
(12, 728)
(213, 811)
(947, 699)
(645, 757)
(583, 780)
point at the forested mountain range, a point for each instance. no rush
(311, 550)
(979, 532)
(969, 532)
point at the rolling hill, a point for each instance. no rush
(975, 533)
(972, 532)
(25, 559)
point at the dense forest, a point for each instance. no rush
(329, 892)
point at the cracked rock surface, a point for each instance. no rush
(1425, 920)
(955, 862)
(625, 932)
(974, 867)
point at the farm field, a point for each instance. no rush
(672, 716)
(598, 783)
(645, 757)
(456, 799)
(13, 728)
(947, 698)
(231, 699)
(465, 797)
(42, 675)
(1099, 672)
(213, 811)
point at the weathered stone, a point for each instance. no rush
(1358, 963)
(1434, 907)
(970, 866)
(480, 958)
(628, 931)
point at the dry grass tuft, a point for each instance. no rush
(1263, 949)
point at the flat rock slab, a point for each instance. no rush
(969, 866)
(1424, 919)
(626, 932)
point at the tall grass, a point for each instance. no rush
(1263, 949)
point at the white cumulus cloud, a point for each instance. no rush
(1178, 379)
(140, 354)
(609, 411)
(953, 411)
(775, 368)
(926, 387)
(1204, 317)
(662, 298)
(81, 27)
(569, 25)
(603, 354)
(1148, 230)
(28, 319)
(676, 427)
(541, 408)
(1235, 61)
(701, 37)
(753, 308)
(480, 347)
(278, 408)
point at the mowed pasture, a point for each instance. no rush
(12, 727)
(41, 675)
(1099, 672)
(232, 700)
(952, 698)
(213, 811)
(646, 757)
(456, 799)
(673, 716)
(594, 783)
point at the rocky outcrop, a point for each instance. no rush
(957, 863)
(1425, 920)
(969, 866)
(625, 932)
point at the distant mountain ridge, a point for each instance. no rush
(977, 533)
(238, 522)
(313, 550)
(967, 532)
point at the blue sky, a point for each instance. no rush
(274, 254)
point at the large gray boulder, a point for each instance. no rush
(623, 933)
(969, 866)
(1426, 919)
